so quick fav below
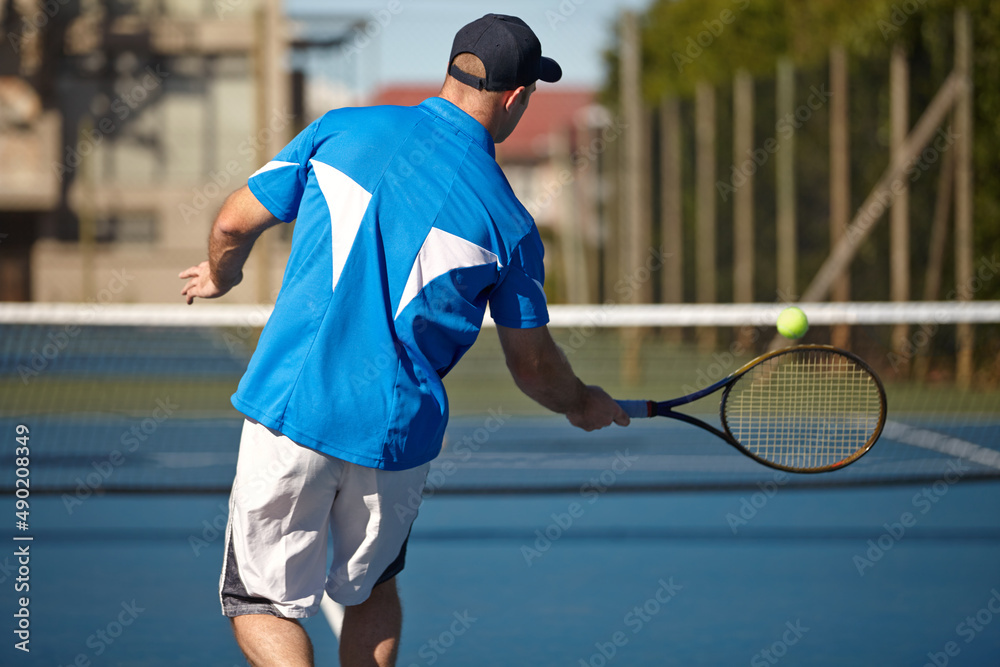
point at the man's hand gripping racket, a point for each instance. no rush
(810, 408)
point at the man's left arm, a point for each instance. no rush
(242, 219)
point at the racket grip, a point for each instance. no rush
(638, 409)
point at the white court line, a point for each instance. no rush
(938, 442)
(333, 612)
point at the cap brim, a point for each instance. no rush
(550, 70)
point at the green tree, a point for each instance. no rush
(686, 41)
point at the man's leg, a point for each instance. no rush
(276, 545)
(370, 636)
(270, 641)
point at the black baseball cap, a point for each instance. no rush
(510, 51)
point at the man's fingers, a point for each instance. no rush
(191, 290)
(620, 416)
(195, 271)
(201, 286)
(599, 411)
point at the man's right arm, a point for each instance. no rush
(541, 370)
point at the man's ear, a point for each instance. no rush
(515, 96)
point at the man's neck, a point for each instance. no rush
(486, 117)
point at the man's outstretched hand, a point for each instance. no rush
(201, 284)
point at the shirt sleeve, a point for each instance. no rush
(279, 184)
(518, 301)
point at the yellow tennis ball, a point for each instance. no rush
(792, 323)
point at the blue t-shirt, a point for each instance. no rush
(406, 228)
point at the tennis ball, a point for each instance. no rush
(792, 323)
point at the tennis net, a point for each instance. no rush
(136, 398)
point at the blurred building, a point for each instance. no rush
(124, 125)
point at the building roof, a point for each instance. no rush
(552, 110)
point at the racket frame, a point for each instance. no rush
(666, 408)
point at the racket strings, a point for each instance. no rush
(805, 409)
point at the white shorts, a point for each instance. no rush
(284, 500)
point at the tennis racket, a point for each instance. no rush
(810, 408)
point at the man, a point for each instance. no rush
(406, 230)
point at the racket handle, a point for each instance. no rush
(638, 409)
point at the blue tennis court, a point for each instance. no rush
(772, 571)
(537, 544)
